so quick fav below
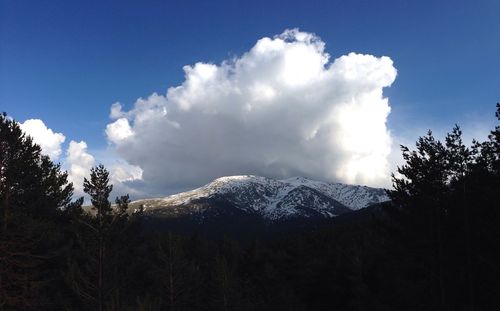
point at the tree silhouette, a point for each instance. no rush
(446, 198)
(33, 191)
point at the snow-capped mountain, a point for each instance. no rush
(265, 198)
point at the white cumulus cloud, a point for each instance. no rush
(126, 179)
(78, 162)
(123, 172)
(49, 141)
(118, 130)
(283, 108)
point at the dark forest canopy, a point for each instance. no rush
(436, 246)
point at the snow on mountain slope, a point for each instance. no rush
(353, 196)
(269, 198)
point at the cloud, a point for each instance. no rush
(78, 162)
(49, 141)
(118, 130)
(126, 179)
(123, 172)
(281, 109)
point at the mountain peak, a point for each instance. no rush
(234, 178)
(268, 198)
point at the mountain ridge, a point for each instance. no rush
(270, 199)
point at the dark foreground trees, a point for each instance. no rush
(101, 260)
(447, 222)
(33, 191)
(436, 247)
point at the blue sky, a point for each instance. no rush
(66, 62)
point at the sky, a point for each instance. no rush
(170, 95)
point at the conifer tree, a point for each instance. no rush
(447, 211)
(33, 191)
(99, 189)
(98, 267)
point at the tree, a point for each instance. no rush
(98, 267)
(29, 182)
(122, 204)
(99, 189)
(176, 277)
(33, 191)
(446, 209)
(87, 278)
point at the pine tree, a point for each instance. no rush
(175, 274)
(122, 204)
(447, 212)
(98, 267)
(99, 189)
(33, 191)
(422, 195)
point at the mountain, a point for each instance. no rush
(262, 199)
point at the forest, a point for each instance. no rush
(435, 246)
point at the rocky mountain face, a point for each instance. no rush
(264, 199)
